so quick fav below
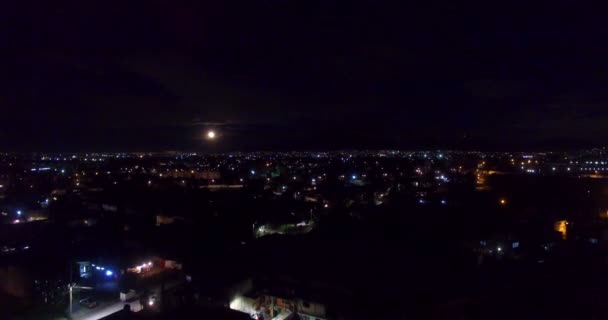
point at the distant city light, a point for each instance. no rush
(561, 227)
(443, 202)
(354, 177)
(252, 171)
(19, 212)
(109, 273)
(503, 201)
(211, 134)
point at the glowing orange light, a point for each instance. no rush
(561, 227)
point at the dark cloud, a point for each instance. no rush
(291, 75)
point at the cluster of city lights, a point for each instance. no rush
(107, 272)
(144, 266)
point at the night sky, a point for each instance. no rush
(301, 75)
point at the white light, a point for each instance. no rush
(149, 263)
(252, 171)
(354, 177)
(150, 302)
(18, 212)
(499, 249)
(211, 134)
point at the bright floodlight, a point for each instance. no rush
(211, 134)
(109, 273)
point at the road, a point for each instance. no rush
(107, 308)
(104, 310)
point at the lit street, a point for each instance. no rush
(103, 310)
(107, 308)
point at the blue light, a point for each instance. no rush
(18, 212)
(98, 268)
(252, 171)
(109, 273)
(354, 177)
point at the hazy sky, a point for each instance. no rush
(303, 75)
